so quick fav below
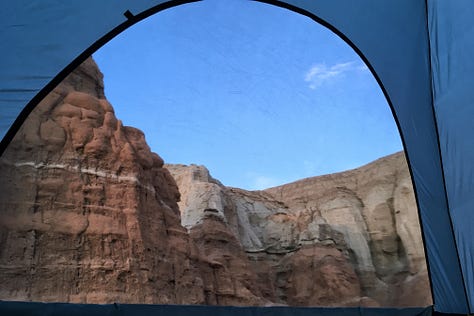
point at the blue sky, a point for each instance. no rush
(260, 95)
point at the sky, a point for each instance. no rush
(260, 95)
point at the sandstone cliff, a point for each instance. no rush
(89, 214)
(355, 233)
(374, 208)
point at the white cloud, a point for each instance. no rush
(318, 74)
(263, 182)
(260, 182)
(363, 67)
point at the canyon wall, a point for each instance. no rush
(352, 235)
(89, 214)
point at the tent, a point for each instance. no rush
(420, 52)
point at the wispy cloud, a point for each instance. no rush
(261, 182)
(319, 74)
(362, 67)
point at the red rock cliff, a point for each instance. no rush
(89, 214)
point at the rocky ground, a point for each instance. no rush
(89, 214)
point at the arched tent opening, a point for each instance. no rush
(418, 82)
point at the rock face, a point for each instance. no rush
(89, 214)
(355, 233)
(374, 209)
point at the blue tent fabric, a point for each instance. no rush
(56, 309)
(452, 38)
(420, 52)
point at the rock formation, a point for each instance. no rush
(374, 208)
(356, 233)
(89, 214)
